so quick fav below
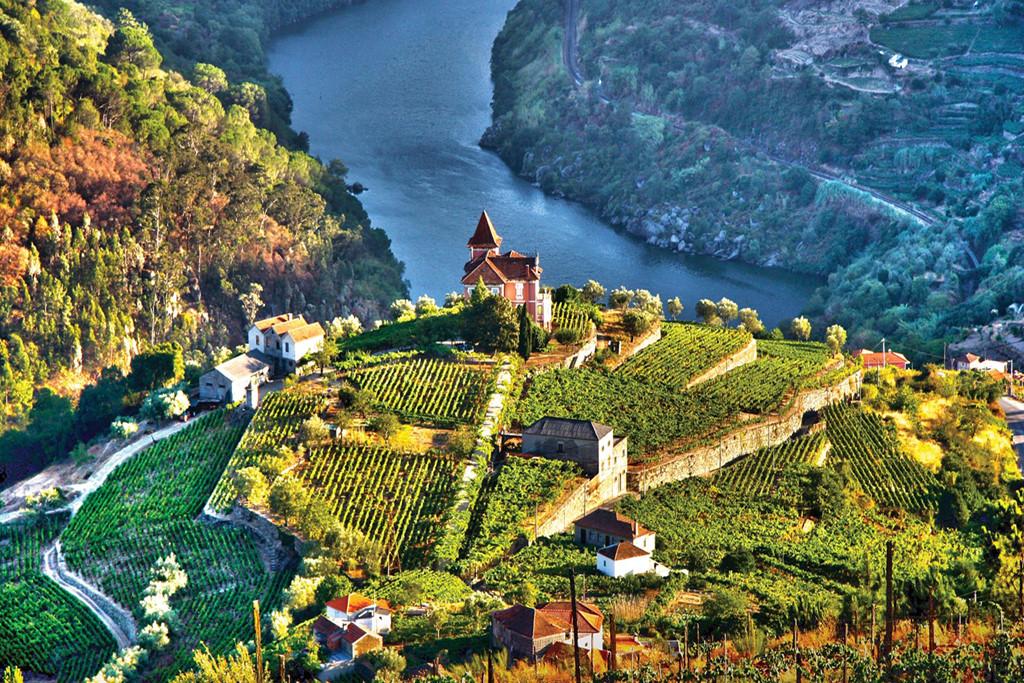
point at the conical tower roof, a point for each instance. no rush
(485, 236)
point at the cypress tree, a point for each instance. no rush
(525, 334)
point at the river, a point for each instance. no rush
(400, 90)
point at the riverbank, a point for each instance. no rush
(404, 97)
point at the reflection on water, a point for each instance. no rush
(400, 91)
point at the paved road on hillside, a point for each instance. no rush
(1015, 418)
(570, 57)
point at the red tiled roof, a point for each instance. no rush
(612, 523)
(590, 619)
(354, 602)
(325, 627)
(497, 270)
(622, 551)
(530, 622)
(485, 235)
(873, 359)
(353, 634)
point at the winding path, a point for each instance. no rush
(570, 57)
(116, 618)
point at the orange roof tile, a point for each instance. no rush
(292, 324)
(530, 622)
(266, 323)
(622, 551)
(311, 331)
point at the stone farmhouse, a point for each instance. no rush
(512, 275)
(591, 445)
(528, 632)
(229, 381)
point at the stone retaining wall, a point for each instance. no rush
(748, 354)
(770, 432)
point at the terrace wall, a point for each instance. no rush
(748, 354)
(773, 431)
(586, 497)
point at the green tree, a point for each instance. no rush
(386, 425)
(402, 310)
(751, 322)
(210, 78)
(675, 307)
(252, 485)
(159, 366)
(592, 292)
(12, 674)
(800, 328)
(289, 498)
(525, 334)
(835, 337)
(636, 322)
(480, 293)
(727, 310)
(491, 325)
(132, 44)
(707, 311)
(426, 305)
(620, 298)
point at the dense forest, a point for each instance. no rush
(232, 34)
(138, 206)
(782, 136)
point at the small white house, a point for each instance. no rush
(370, 615)
(261, 328)
(297, 343)
(626, 559)
(229, 380)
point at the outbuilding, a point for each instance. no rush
(228, 381)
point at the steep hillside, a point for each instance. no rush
(788, 134)
(137, 207)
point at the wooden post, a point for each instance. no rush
(931, 621)
(846, 636)
(890, 610)
(259, 640)
(613, 661)
(284, 669)
(796, 652)
(686, 645)
(575, 627)
(873, 646)
(490, 665)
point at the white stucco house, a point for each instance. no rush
(370, 615)
(287, 339)
(626, 559)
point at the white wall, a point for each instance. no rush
(256, 339)
(620, 568)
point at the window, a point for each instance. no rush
(287, 346)
(519, 290)
(561, 447)
(495, 291)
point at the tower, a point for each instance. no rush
(485, 241)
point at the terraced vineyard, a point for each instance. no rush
(570, 316)
(684, 352)
(654, 415)
(43, 628)
(394, 498)
(429, 390)
(878, 464)
(147, 509)
(757, 474)
(275, 423)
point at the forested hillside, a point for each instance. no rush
(232, 34)
(138, 207)
(790, 135)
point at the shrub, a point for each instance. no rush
(123, 427)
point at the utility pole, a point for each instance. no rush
(890, 610)
(575, 627)
(874, 643)
(885, 358)
(686, 645)
(613, 661)
(1020, 586)
(259, 640)
(490, 665)
(846, 635)
(796, 652)
(284, 669)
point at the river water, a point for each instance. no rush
(400, 90)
